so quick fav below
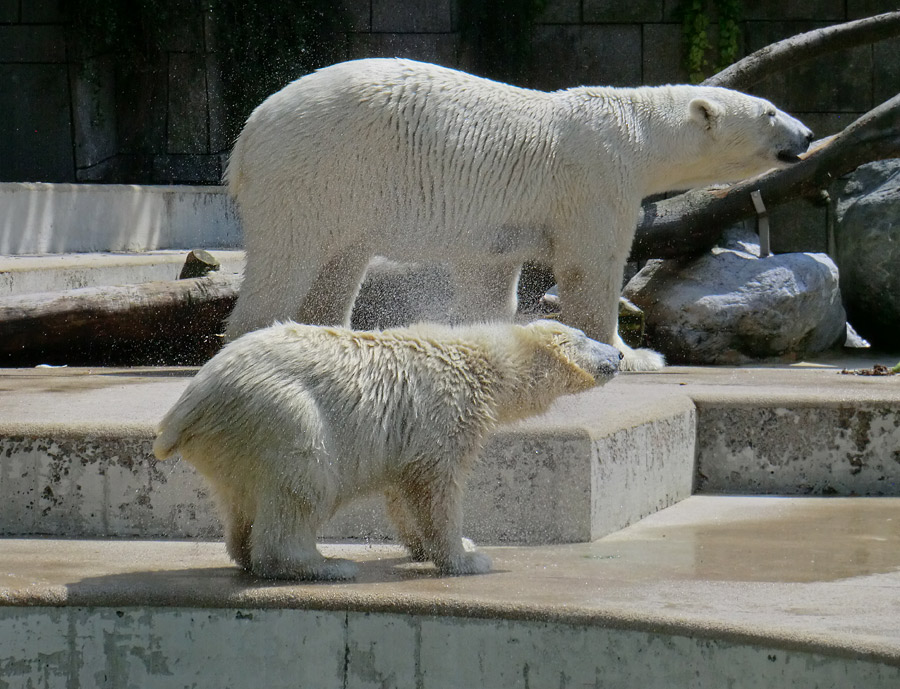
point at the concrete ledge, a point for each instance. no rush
(241, 647)
(38, 218)
(792, 430)
(75, 453)
(791, 447)
(595, 463)
(56, 272)
(712, 592)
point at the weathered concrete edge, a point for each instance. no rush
(501, 506)
(752, 634)
(633, 407)
(68, 431)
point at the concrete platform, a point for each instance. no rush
(637, 584)
(713, 592)
(39, 218)
(76, 461)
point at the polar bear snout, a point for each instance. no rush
(601, 360)
(797, 137)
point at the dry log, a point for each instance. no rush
(141, 323)
(806, 46)
(692, 222)
(198, 263)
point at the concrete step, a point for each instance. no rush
(713, 592)
(75, 461)
(75, 455)
(57, 272)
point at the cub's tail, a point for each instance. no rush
(167, 440)
(171, 430)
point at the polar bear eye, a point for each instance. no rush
(771, 114)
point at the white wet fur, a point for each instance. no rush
(417, 162)
(290, 422)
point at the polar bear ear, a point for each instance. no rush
(705, 111)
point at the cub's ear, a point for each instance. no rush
(705, 111)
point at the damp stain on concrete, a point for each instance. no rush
(764, 540)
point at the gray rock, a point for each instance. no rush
(867, 249)
(855, 340)
(730, 306)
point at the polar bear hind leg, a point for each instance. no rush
(283, 539)
(329, 300)
(275, 285)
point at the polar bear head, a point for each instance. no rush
(550, 360)
(698, 135)
(572, 349)
(742, 135)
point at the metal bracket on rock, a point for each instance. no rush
(762, 224)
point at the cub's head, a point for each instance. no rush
(743, 135)
(581, 361)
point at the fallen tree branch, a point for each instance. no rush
(806, 46)
(123, 323)
(692, 222)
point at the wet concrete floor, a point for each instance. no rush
(819, 573)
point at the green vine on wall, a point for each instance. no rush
(696, 21)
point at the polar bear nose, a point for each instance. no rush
(603, 361)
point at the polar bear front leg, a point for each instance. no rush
(589, 292)
(435, 503)
(283, 539)
(405, 522)
(237, 539)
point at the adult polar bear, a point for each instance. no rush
(417, 162)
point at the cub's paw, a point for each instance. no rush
(325, 569)
(466, 563)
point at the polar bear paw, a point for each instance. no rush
(638, 359)
(466, 563)
(642, 360)
(324, 569)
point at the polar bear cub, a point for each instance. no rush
(290, 422)
(419, 163)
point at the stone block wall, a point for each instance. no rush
(62, 121)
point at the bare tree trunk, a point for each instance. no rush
(123, 323)
(692, 222)
(806, 46)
